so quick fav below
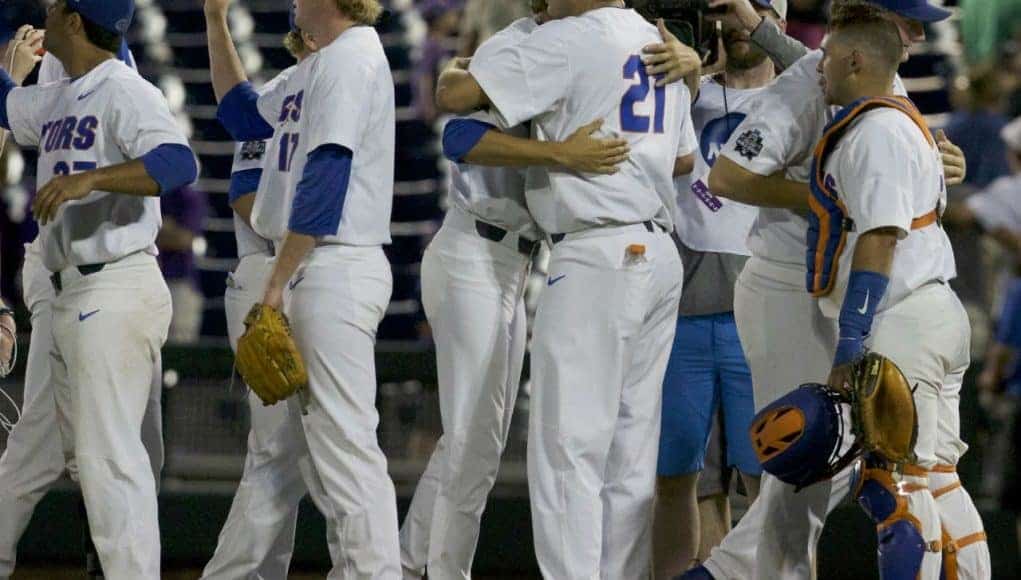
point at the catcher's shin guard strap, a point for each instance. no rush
(951, 547)
(901, 544)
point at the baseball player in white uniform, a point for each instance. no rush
(41, 445)
(101, 157)
(257, 539)
(326, 205)
(606, 319)
(878, 172)
(770, 300)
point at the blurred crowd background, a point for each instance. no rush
(966, 79)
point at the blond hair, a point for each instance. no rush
(295, 44)
(365, 12)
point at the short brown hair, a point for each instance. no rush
(868, 28)
(364, 12)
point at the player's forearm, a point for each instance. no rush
(225, 67)
(243, 206)
(684, 165)
(729, 180)
(458, 93)
(782, 49)
(866, 286)
(499, 149)
(292, 253)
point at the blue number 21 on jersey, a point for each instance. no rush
(639, 93)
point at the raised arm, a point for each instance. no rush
(225, 66)
(782, 49)
(479, 143)
(730, 180)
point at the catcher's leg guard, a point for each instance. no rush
(961, 528)
(902, 544)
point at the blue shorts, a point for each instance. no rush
(707, 368)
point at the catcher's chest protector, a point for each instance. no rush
(828, 221)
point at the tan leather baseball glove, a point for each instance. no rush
(883, 412)
(267, 357)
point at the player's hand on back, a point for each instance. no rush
(8, 334)
(585, 153)
(59, 190)
(24, 51)
(671, 60)
(955, 166)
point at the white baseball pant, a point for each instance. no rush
(257, 539)
(108, 328)
(602, 337)
(335, 303)
(41, 445)
(787, 342)
(928, 336)
(473, 294)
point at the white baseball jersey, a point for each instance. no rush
(496, 194)
(887, 174)
(554, 78)
(705, 222)
(350, 96)
(248, 156)
(999, 204)
(782, 137)
(109, 116)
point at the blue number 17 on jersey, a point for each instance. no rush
(639, 93)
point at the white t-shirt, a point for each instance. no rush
(496, 194)
(887, 174)
(341, 95)
(571, 72)
(782, 137)
(705, 222)
(999, 204)
(106, 117)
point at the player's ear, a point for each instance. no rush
(855, 61)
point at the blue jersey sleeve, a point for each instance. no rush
(239, 114)
(319, 201)
(1008, 331)
(460, 136)
(172, 166)
(6, 86)
(243, 182)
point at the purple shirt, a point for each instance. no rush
(187, 207)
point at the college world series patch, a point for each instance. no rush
(749, 144)
(253, 150)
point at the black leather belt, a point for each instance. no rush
(557, 238)
(497, 234)
(84, 270)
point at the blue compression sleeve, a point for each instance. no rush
(319, 201)
(460, 136)
(865, 290)
(239, 114)
(6, 86)
(172, 166)
(243, 183)
(1008, 330)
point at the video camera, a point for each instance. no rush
(686, 19)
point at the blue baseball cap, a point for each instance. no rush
(919, 10)
(113, 15)
(16, 13)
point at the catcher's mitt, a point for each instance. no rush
(267, 357)
(883, 414)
